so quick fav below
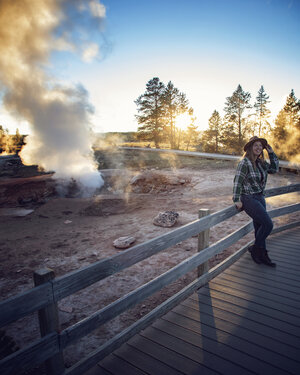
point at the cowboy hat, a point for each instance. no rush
(263, 141)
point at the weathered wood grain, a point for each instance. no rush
(49, 322)
(285, 227)
(53, 290)
(36, 298)
(159, 311)
(109, 312)
(25, 303)
(79, 279)
(203, 242)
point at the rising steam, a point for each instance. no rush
(59, 116)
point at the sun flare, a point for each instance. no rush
(183, 121)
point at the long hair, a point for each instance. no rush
(249, 154)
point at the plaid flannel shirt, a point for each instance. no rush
(248, 180)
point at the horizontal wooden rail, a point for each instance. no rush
(100, 317)
(76, 280)
(50, 292)
(114, 343)
(36, 353)
(286, 227)
(25, 303)
(48, 346)
(282, 190)
(93, 358)
(87, 325)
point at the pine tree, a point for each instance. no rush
(191, 135)
(212, 136)
(175, 103)
(151, 109)
(17, 142)
(280, 132)
(292, 108)
(262, 111)
(235, 107)
(3, 139)
(286, 134)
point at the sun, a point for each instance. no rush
(183, 121)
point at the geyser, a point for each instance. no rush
(30, 31)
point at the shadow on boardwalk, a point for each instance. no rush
(245, 321)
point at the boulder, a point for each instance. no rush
(124, 242)
(166, 219)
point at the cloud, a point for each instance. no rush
(97, 9)
(90, 53)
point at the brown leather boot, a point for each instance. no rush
(265, 258)
(255, 252)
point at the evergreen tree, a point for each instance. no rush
(175, 103)
(191, 136)
(262, 111)
(280, 132)
(17, 142)
(292, 108)
(3, 139)
(235, 107)
(286, 134)
(212, 136)
(151, 109)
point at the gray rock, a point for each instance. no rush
(166, 219)
(124, 242)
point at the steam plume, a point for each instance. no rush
(59, 116)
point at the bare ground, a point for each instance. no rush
(65, 234)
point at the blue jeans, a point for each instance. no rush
(255, 206)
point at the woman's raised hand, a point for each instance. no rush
(269, 148)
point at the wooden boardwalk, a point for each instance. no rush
(245, 321)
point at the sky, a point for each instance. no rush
(205, 47)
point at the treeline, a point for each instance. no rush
(161, 105)
(10, 144)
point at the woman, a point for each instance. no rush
(248, 193)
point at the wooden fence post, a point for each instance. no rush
(48, 319)
(203, 242)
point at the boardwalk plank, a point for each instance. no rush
(116, 366)
(165, 355)
(283, 255)
(277, 305)
(269, 274)
(212, 344)
(144, 362)
(229, 323)
(97, 370)
(282, 270)
(225, 312)
(243, 312)
(262, 290)
(286, 246)
(289, 321)
(209, 363)
(211, 330)
(258, 278)
(245, 321)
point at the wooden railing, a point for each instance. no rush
(49, 290)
